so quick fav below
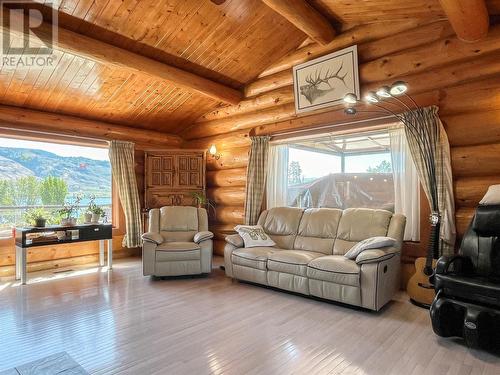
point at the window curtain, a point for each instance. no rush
(406, 183)
(277, 176)
(121, 156)
(430, 151)
(256, 178)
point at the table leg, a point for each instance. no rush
(110, 254)
(18, 263)
(101, 253)
(24, 278)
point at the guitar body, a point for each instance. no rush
(420, 290)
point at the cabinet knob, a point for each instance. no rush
(96, 229)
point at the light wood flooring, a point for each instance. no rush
(120, 322)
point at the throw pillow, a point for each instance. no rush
(254, 235)
(369, 243)
(492, 196)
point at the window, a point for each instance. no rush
(342, 172)
(40, 177)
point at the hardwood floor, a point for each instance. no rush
(122, 322)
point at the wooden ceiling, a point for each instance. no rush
(228, 44)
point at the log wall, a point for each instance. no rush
(68, 255)
(463, 79)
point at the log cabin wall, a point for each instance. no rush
(69, 255)
(461, 78)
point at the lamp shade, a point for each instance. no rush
(350, 98)
(212, 150)
(398, 88)
(371, 97)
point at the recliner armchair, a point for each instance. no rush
(467, 302)
(178, 242)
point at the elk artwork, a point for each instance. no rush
(318, 85)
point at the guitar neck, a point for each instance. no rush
(433, 249)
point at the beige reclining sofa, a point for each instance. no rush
(309, 254)
(178, 242)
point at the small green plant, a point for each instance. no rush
(202, 200)
(93, 208)
(70, 208)
(33, 215)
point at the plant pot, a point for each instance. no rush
(40, 223)
(69, 221)
(95, 218)
(88, 218)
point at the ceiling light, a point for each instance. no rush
(384, 92)
(371, 97)
(350, 98)
(398, 88)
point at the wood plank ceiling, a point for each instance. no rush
(230, 43)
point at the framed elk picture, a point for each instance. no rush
(324, 81)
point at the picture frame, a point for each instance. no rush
(324, 81)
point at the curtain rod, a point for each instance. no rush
(348, 127)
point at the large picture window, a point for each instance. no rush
(40, 177)
(349, 171)
(363, 170)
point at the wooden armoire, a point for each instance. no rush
(172, 176)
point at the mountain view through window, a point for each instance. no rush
(39, 178)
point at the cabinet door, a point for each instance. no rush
(190, 171)
(161, 171)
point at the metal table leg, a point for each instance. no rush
(101, 253)
(24, 275)
(110, 254)
(18, 263)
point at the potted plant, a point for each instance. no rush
(36, 216)
(202, 201)
(94, 210)
(69, 210)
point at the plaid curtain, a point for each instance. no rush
(121, 156)
(430, 151)
(256, 178)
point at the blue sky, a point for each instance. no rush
(58, 149)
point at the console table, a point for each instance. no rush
(53, 235)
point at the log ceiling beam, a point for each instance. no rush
(469, 18)
(16, 118)
(109, 55)
(305, 18)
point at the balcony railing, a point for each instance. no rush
(12, 216)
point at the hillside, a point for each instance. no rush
(81, 174)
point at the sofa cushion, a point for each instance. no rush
(177, 251)
(335, 269)
(291, 261)
(179, 218)
(358, 224)
(282, 224)
(177, 246)
(318, 230)
(253, 257)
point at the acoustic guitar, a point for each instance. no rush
(419, 288)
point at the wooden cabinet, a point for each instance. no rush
(171, 177)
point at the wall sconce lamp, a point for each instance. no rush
(213, 152)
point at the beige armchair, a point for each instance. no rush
(178, 242)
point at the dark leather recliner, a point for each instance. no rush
(467, 285)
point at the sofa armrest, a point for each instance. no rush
(460, 264)
(235, 240)
(154, 237)
(376, 255)
(203, 236)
